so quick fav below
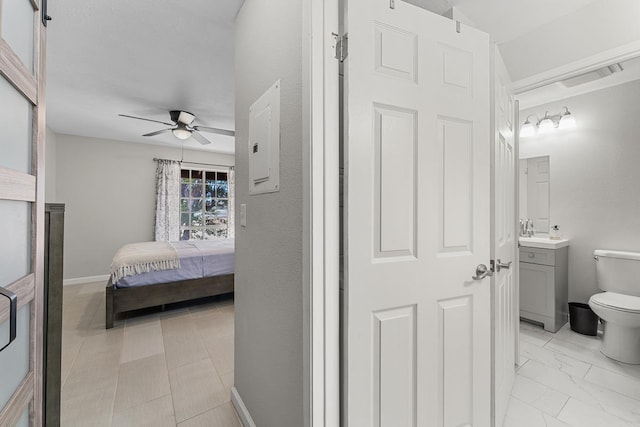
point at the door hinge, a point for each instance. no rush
(342, 47)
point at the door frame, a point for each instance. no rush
(321, 213)
(495, 308)
(516, 210)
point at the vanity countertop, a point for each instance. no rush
(543, 242)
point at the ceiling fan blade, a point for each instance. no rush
(149, 120)
(215, 130)
(201, 139)
(158, 132)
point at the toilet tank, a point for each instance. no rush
(618, 271)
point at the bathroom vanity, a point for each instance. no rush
(544, 281)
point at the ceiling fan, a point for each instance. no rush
(182, 127)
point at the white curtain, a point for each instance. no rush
(231, 233)
(167, 201)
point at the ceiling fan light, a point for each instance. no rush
(181, 133)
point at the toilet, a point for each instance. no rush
(618, 274)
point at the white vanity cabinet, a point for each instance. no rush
(544, 282)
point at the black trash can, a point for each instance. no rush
(582, 319)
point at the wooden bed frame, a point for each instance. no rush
(119, 300)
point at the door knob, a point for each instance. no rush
(481, 272)
(500, 265)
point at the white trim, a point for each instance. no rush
(516, 231)
(331, 206)
(241, 409)
(322, 214)
(602, 59)
(83, 280)
(202, 167)
(493, 58)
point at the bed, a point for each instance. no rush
(152, 274)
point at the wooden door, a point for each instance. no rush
(504, 245)
(22, 132)
(417, 219)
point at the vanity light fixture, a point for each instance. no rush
(548, 123)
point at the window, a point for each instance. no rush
(204, 204)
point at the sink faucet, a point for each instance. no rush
(526, 228)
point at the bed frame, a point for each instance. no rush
(119, 300)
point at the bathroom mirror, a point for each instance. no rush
(535, 192)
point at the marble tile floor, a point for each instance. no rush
(154, 368)
(563, 380)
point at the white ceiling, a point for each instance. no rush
(141, 58)
(144, 58)
(506, 20)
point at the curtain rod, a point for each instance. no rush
(155, 159)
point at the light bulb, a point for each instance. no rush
(527, 130)
(546, 124)
(181, 133)
(567, 121)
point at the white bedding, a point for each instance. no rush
(198, 258)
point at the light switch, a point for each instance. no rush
(243, 215)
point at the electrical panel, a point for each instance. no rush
(264, 142)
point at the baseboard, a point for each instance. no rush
(243, 412)
(81, 280)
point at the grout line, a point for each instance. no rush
(584, 377)
(77, 352)
(562, 409)
(88, 326)
(115, 389)
(166, 365)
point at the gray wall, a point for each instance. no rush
(595, 177)
(109, 191)
(50, 166)
(269, 264)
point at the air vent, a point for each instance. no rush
(592, 75)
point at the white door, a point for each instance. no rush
(22, 128)
(538, 193)
(504, 244)
(417, 219)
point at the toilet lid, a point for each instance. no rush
(617, 301)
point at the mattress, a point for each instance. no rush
(198, 258)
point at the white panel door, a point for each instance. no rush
(538, 193)
(417, 219)
(504, 239)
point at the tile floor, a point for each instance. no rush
(152, 369)
(564, 380)
(176, 368)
